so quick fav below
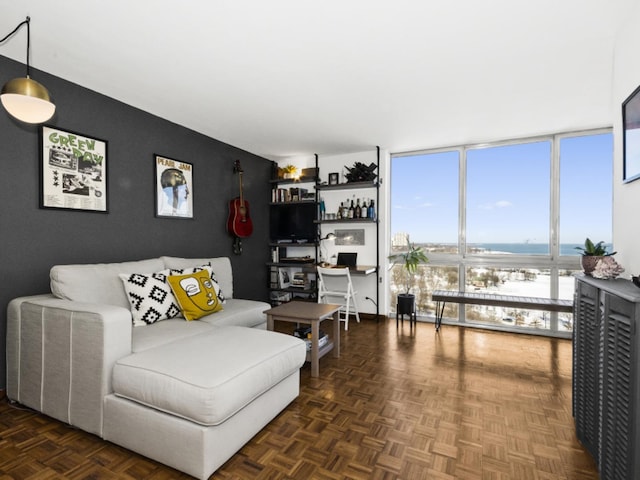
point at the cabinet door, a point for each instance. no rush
(617, 450)
(586, 366)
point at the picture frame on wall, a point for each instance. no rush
(174, 188)
(73, 171)
(333, 178)
(284, 278)
(349, 236)
(631, 137)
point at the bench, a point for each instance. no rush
(477, 298)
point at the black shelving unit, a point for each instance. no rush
(287, 249)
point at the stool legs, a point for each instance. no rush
(413, 320)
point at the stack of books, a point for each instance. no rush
(305, 334)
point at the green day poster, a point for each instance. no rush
(73, 171)
(174, 188)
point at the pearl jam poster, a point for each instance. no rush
(73, 171)
(174, 188)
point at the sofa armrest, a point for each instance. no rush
(60, 355)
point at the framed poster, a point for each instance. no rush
(174, 188)
(631, 137)
(73, 171)
(285, 280)
(350, 237)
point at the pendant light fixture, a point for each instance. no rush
(26, 99)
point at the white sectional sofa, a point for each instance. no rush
(188, 394)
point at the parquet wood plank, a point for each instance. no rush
(403, 403)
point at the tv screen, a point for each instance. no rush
(293, 222)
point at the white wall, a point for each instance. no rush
(626, 197)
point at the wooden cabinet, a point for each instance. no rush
(606, 374)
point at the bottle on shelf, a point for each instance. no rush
(352, 210)
(365, 209)
(357, 212)
(371, 213)
(340, 210)
(345, 210)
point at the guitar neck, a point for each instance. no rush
(241, 193)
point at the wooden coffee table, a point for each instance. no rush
(311, 314)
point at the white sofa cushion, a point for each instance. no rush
(221, 267)
(237, 312)
(207, 378)
(98, 282)
(240, 312)
(164, 332)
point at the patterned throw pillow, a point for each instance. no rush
(196, 293)
(150, 297)
(183, 271)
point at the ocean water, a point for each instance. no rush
(531, 248)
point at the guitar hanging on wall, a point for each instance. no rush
(239, 223)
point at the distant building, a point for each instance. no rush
(399, 240)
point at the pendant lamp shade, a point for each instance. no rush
(26, 99)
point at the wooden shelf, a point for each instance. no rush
(297, 202)
(308, 266)
(306, 291)
(322, 351)
(348, 186)
(348, 220)
(286, 181)
(293, 244)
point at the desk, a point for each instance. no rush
(357, 270)
(312, 314)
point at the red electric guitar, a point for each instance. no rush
(239, 223)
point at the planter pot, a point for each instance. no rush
(406, 304)
(589, 263)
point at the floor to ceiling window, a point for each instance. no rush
(504, 217)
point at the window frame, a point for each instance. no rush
(554, 262)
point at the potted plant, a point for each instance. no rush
(410, 260)
(289, 171)
(591, 253)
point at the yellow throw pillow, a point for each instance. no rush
(195, 293)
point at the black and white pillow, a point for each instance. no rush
(150, 297)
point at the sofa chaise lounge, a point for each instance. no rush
(188, 394)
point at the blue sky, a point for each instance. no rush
(508, 193)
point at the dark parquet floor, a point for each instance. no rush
(401, 403)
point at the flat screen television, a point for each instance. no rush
(293, 222)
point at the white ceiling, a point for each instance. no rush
(288, 77)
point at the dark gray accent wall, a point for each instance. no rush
(33, 239)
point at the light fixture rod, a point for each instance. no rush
(28, 20)
(28, 23)
(16, 29)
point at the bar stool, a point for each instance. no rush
(340, 288)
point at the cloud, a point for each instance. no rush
(413, 207)
(498, 204)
